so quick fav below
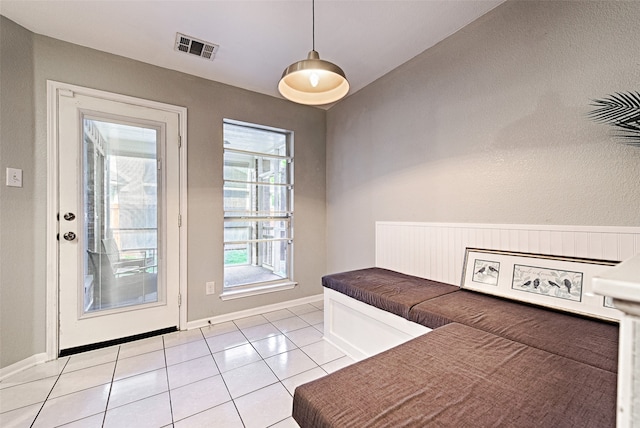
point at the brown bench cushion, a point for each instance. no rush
(588, 341)
(459, 376)
(385, 289)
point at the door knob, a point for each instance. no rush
(69, 216)
(69, 236)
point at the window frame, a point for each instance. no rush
(254, 216)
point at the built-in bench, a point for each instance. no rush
(366, 311)
(487, 362)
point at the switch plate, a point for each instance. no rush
(14, 177)
(211, 287)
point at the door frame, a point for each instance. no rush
(52, 277)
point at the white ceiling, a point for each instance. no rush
(258, 38)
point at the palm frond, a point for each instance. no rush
(621, 110)
(631, 138)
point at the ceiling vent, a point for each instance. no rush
(189, 45)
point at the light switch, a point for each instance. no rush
(211, 287)
(14, 177)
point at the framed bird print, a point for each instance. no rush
(486, 272)
(557, 282)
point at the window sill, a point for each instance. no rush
(254, 291)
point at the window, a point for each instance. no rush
(258, 207)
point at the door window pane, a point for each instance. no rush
(121, 182)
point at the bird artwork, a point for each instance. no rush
(553, 283)
(567, 284)
(484, 273)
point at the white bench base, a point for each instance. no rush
(361, 330)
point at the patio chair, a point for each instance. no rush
(128, 261)
(120, 286)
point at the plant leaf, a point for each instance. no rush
(621, 110)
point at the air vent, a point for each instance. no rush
(189, 45)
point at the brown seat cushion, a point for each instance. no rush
(589, 341)
(385, 289)
(458, 376)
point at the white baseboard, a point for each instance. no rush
(24, 364)
(253, 311)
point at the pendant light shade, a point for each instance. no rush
(313, 81)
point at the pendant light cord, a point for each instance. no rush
(313, 24)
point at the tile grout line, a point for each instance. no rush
(208, 377)
(320, 365)
(280, 381)
(166, 372)
(49, 394)
(261, 359)
(139, 399)
(223, 381)
(113, 376)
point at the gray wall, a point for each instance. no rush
(208, 103)
(22, 251)
(489, 126)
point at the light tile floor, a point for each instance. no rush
(240, 373)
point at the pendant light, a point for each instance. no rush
(313, 81)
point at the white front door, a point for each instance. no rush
(118, 201)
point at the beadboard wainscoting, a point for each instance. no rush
(436, 250)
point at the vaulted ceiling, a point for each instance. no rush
(257, 39)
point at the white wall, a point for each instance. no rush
(490, 126)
